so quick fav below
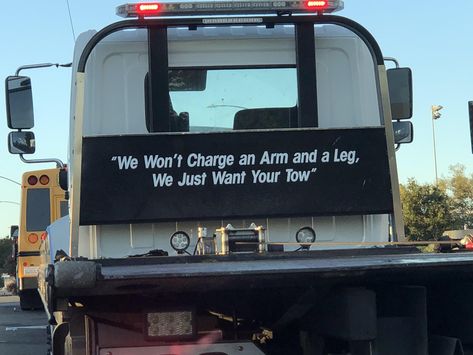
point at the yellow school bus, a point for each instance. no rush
(43, 200)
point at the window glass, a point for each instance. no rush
(231, 96)
(38, 207)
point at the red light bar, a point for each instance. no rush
(228, 7)
(317, 4)
(147, 9)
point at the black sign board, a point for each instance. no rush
(163, 177)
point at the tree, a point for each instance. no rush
(7, 263)
(426, 210)
(460, 189)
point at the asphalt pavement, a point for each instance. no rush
(21, 332)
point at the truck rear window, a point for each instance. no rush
(231, 95)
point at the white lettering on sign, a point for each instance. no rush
(126, 162)
(219, 161)
(265, 177)
(274, 158)
(344, 156)
(162, 180)
(298, 176)
(156, 161)
(225, 178)
(197, 169)
(192, 179)
(305, 157)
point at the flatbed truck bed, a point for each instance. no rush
(176, 274)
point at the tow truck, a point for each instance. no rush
(233, 190)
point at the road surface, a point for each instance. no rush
(21, 332)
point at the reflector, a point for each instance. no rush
(33, 238)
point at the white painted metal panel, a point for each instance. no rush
(115, 105)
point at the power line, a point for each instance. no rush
(70, 20)
(8, 179)
(12, 202)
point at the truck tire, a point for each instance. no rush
(59, 338)
(30, 300)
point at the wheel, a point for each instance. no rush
(30, 300)
(59, 339)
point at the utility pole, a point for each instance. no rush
(435, 116)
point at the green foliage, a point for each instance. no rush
(426, 209)
(460, 189)
(429, 210)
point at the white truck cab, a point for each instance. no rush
(226, 80)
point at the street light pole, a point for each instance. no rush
(435, 116)
(435, 153)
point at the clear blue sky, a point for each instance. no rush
(432, 37)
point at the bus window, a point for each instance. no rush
(38, 214)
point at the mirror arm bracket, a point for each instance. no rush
(58, 162)
(391, 59)
(41, 65)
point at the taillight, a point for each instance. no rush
(33, 238)
(44, 236)
(44, 179)
(32, 180)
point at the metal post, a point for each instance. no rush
(435, 152)
(435, 116)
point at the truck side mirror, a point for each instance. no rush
(19, 102)
(403, 132)
(400, 92)
(63, 179)
(21, 142)
(13, 232)
(14, 238)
